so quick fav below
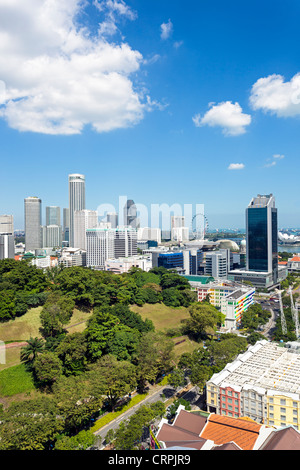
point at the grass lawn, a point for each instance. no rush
(162, 316)
(15, 380)
(22, 327)
(26, 326)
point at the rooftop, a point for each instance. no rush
(216, 432)
(266, 366)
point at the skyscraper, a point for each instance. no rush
(7, 246)
(66, 224)
(83, 220)
(33, 218)
(113, 219)
(107, 243)
(7, 224)
(130, 214)
(76, 200)
(53, 215)
(262, 235)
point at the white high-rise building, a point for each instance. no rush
(83, 220)
(76, 200)
(7, 224)
(7, 246)
(179, 232)
(107, 243)
(149, 233)
(217, 264)
(53, 236)
(33, 217)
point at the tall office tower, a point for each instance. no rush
(130, 214)
(125, 242)
(66, 224)
(83, 220)
(7, 246)
(7, 224)
(100, 246)
(113, 219)
(107, 243)
(179, 232)
(262, 235)
(53, 236)
(53, 215)
(33, 218)
(76, 200)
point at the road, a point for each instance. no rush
(163, 393)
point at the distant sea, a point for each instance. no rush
(289, 248)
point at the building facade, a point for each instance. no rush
(262, 236)
(123, 265)
(76, 201)
(7, 224)
(262, 384)
(33, 219)
(107, 243)
(7, 246)
(83, 220)
(53, 215)
(231, 298)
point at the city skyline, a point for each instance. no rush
(200, 104)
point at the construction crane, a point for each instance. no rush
(283, 322)
(294, 308)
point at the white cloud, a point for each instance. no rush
(58, 77)
(236, 166)
(178, 44)
(274, 160)
(229, 116)
(272, 94)
(166, 29)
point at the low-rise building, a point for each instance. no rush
(196, 430)
(123, 265)
(72, 257)
(232, 299)
(262, 384)
(293, 264)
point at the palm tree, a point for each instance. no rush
(33, 348)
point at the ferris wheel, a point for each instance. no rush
(199, 227)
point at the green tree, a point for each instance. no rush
(29, 352)
(176, 378)
(56, 313)
(100, 332)
(78, 399)
(47, 368)
(30, 425)
(118, 377)
(72, 352)
(82, 441)
(155, 356)
(203, 319)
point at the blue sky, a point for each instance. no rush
(194, 102)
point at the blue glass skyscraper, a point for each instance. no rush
(262, 233)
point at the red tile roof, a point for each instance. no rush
(296, 258)
(223, 429)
